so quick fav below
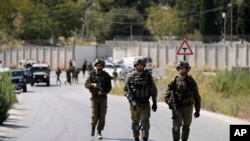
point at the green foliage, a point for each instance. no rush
(242, 27)
(189, 12)
(166, 26)
(118, 24)
(46, 19)
(6, 95)
(231, 83)
(207, 21)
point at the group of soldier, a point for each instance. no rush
(182, 96)
(71, 74)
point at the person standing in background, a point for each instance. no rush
(84, 67)
(58, 72)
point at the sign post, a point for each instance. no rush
(184, 49)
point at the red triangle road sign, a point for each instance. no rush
(184, 49)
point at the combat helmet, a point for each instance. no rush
(184, 64)
(99, 61)
(139, 61)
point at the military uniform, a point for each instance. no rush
(68, 76)
(98, 102)
(186, 96)
(142, 88)
(58, 72)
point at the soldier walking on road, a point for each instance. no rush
(115, 75)
(139, 87)
(68, 76)
(99, 85)
(84, 67)
(182, 94)
(58, 72)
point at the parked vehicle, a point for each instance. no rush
(129, 62)
(41, 74)
(18, 78)
(123, 73)
(109, 68)
(118, 67)
(25, 64)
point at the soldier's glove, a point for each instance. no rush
(197, 114)
(154, 106)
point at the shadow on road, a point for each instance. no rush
(13, 126)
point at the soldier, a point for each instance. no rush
(139, 86)
(84, 66)
(185, 95)
(115, 75)
(58, 72)
(68, 76)
(99, 85)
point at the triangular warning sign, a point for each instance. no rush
(184, 49)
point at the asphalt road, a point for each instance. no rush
(62, 113)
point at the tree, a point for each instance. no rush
(121, 18)
(243, 22)
(167, 22)
(208, 28)
(189, 13)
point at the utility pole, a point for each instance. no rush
(224, 15)
(231, 30)
(131, 32)
(85, 26)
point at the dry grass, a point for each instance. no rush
(235, 105)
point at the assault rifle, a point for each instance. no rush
(131, 97)
(100, 85)
(173, 104)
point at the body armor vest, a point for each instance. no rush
(183, 90)
(141, 88)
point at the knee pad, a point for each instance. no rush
(135, 126)
(145, 126)
(176, 129)
(185, 128)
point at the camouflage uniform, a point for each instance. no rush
(142, 88)
(58, 72)
(98, 102)
(68, 76)
(186, 95)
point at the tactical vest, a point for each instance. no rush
(141, 87)
(99, 79)
(184, 90)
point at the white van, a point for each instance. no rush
(129, 62)
(24, 64)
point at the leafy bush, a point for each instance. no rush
(6, 95)
(231, 82)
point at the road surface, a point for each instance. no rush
(62, 113)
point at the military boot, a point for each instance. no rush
(176, 140)
(99, 135)
(145, 139)
(136, 139)
(184, 139)
(93, 131)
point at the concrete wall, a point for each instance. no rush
(55, 56)
(206, 56)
